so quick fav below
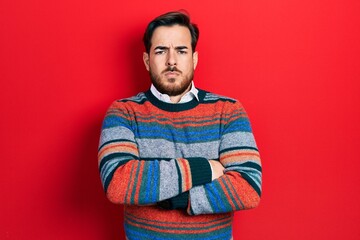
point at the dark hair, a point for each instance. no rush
(171, 19)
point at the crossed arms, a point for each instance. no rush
(234, 183)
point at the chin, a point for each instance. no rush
(173, 86)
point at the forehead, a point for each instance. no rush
(171, 36)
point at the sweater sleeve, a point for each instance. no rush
(240, 187)
(127, 179)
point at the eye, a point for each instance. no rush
(182, 52)
(159, 52)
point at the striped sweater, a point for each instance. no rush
(153, 158)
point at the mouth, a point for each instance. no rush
(172, 73)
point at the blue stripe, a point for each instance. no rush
(253, 173)
(186, 130)
(124, 157)
(156, 180)
(211, 198)
(115, 121)
(217, 195)
(160, 127)
(148, 185)
(108, 168)
(135, 235)
(159, 119)
(251, 165)
(187, 137)
(238, 127)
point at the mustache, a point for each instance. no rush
(171, 69)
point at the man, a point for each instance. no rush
(180, 159)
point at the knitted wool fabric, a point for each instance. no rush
(153, 158)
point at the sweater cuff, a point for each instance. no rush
(180, 201)
(200, 171)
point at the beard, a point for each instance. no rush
(168, 85)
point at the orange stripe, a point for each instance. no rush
(241, 154)
(131, 181)
(201, 109)
(179, 224)
(226, 193)
(185, 173)
(248, 195)
(192, 122)
(119, 183)
(119, 145)
(240, 157)
(116, 150)
(198, 115)
(139, 179)
(182, 173)
(137, 106)
(182, 117)
(231, 187)
(174, 231)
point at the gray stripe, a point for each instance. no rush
(237, 139)
(253, 173)
(115, 133)
(212, 96)
(198, 201)
(167, 149)
(137, 98)
(169, 179)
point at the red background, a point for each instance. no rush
(294, 65)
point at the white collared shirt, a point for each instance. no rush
(190, 95)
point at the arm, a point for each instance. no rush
(181, 201)
(240, 187)
(127, 179)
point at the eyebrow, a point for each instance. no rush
(166, 48)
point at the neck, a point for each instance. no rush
(177, 98)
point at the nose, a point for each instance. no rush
(171, 58)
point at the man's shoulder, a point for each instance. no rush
(128, 103)
(210, 97)
(138, 98)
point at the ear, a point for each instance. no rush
(146, 60)
(195, 59)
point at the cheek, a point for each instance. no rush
(153, 67)
(190, 66)
(156, 65)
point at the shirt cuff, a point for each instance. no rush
(212, 172)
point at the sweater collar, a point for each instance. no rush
(192, 93)
(175, 107)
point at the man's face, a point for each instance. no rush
(171, 62)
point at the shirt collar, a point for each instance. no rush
(190, 95)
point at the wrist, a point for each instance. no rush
(212, 171)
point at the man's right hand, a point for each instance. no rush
(217, 169)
